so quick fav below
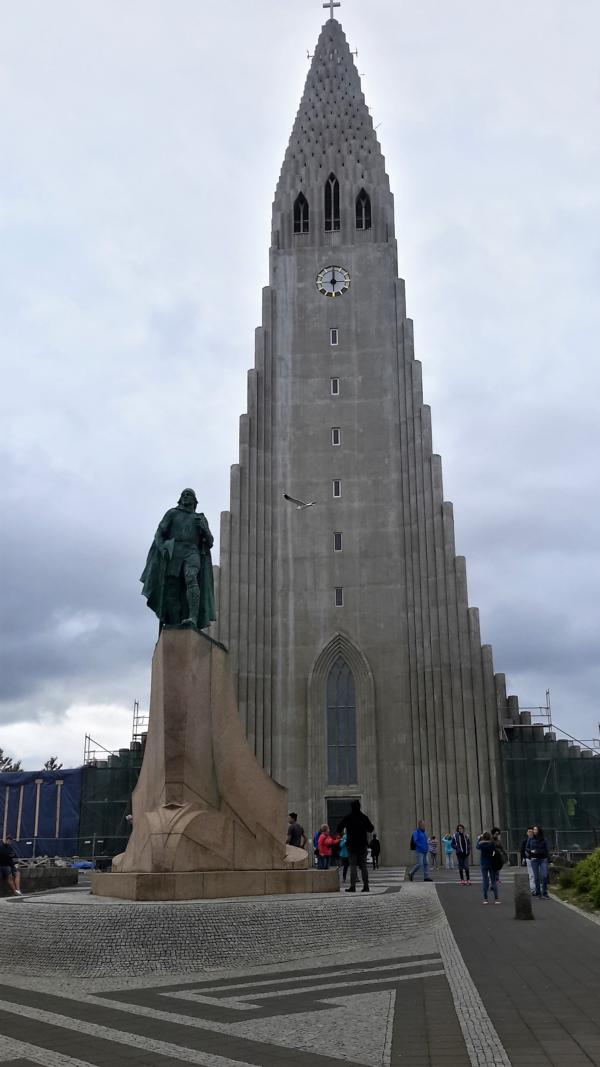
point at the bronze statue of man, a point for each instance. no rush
(178, 576)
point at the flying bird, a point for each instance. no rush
(300, 504)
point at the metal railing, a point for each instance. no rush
(86, 847)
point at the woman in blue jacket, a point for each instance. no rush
(489, 876)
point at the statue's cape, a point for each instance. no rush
(154, 576)
(154, 579)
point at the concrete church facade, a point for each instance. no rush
(357, 659)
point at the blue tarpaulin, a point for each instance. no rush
(40, 809)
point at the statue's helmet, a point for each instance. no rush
(185, 492)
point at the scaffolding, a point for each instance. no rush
(139, 730)
(551, 779)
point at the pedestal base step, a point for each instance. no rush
(210, 885)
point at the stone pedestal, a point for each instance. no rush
(208, 821)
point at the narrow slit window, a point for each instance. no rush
(337, 542)
(341, 725)
(339, 597)
(336, 486)
(333, 337)
(335, 386)
(336, 435)
(301, 214)
(332, 203)
(363, 211)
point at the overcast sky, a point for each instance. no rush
(141, 143)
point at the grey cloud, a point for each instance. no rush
(134, 225)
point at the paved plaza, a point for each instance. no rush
(412, 974)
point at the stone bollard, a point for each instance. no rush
(523, 908)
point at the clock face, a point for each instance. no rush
(333, 281)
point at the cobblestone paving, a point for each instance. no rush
(373, 980)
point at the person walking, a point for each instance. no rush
(537, 850)
(526, 862)
(461, 843)
(357, 826)
(448, 851)
(324, 848)
(433, 850)
(419, 843)
(375, 851)
(487, 848)
(295, 832)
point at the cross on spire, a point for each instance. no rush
(331, 4)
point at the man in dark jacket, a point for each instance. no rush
(357, 827)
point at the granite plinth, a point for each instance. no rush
(202, 802)
(212, 885)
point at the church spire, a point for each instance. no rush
(333, 135)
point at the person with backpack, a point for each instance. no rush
(461, 843)
(487, 848)
(500, 853)
(419, 844)
(537, 851)
(357, 826)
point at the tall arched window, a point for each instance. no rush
(332, 203)
(301, 214)
(341, 725)
(363, 211)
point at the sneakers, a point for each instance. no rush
(18, 893)
(468, 882)
(410, 876)
(497, 902)
(462, 883)
(428, 879)
(486, 902)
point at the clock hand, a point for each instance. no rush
(333, 279)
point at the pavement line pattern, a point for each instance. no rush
(21, 1053)
(161, 1048)
(237, 1003)
(480, 1036)
(252, 984)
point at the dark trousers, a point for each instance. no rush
(359, 859)
(375, 860)
(463, 866)
(345, 865)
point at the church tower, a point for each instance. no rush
(357, 659)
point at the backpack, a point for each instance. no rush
(499, 858)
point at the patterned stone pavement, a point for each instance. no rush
(305, 982)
